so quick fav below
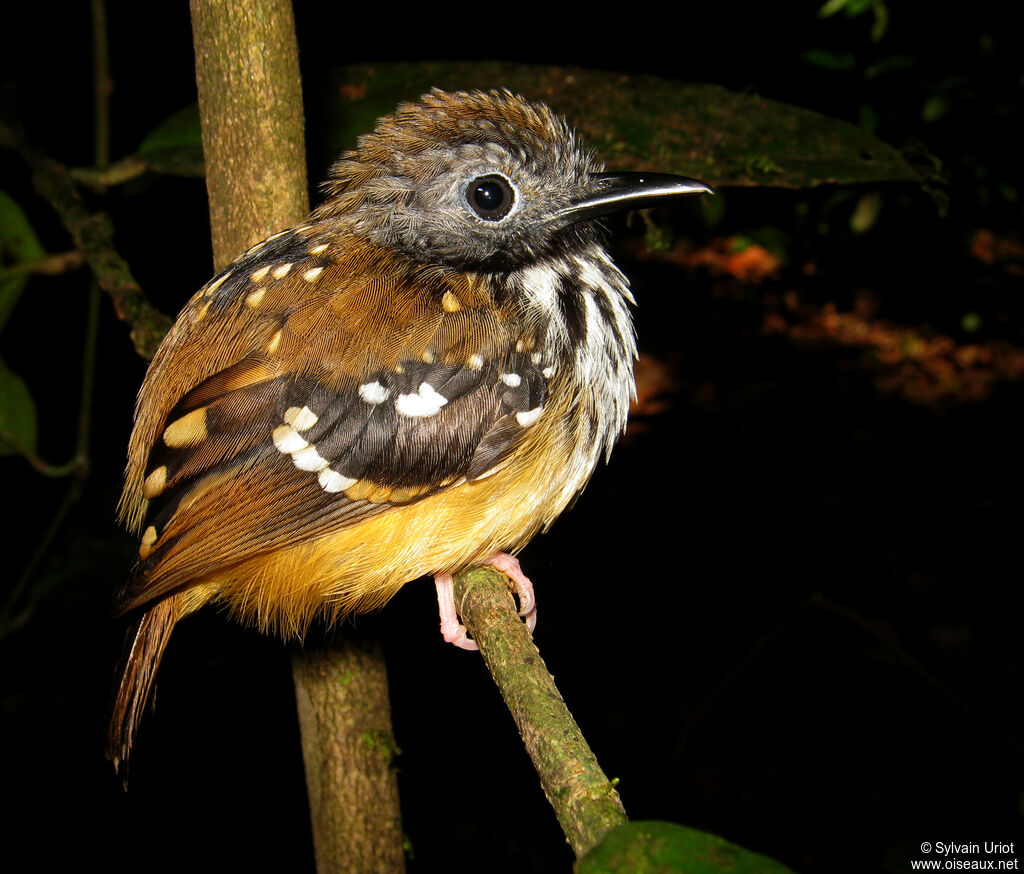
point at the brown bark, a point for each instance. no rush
(250, 106)
(349, 748)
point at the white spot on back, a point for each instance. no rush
(529, 417)
(475, 362)
(425, 402)
(511, 379)
(374, 392)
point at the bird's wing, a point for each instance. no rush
(310, 389)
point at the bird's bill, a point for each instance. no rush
(613, 192)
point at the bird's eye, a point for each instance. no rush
(490, 197)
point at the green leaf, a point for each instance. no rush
(18, 245)
(18, 424)
(828, 60)
(890, 64)
(881, 22)
(971, 322)
(831, 8)
(852, 8)
(175, 146)
(667, 848)
(934, 108)
(866, 212)
(645, 122)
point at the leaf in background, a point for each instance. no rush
(829, 60)
(644, 122)
(866, 212)
(664, 847)
(18, 245)
(175, 146)
(17, 414)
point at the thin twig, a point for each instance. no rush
(585, 801)
(93, 236)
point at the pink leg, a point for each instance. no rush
(453, 631)
(510, 567)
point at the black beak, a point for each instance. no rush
(612, 192)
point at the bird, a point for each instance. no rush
(416, 379)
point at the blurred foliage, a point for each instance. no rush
(639, 122)
(667, 848)
(19, 249)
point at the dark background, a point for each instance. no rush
(786, 612)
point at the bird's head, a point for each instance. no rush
(481, 180)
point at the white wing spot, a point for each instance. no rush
(287, 439)
(281, 271)
(301, 418)
(253, 300)
(511, 379)
(374, 393)
(332, 481)
(309, 459)
(529, 417)
(149, 539)
(257, 275)
(549, 371)
(316, 250)
(425, 402)
(217, 283)
(312, 273)
(475, 362)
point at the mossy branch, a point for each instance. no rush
(93, 236)
(585, 802)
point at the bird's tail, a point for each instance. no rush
(143, 648)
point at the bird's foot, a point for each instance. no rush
(453, 631)
(510, 567)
